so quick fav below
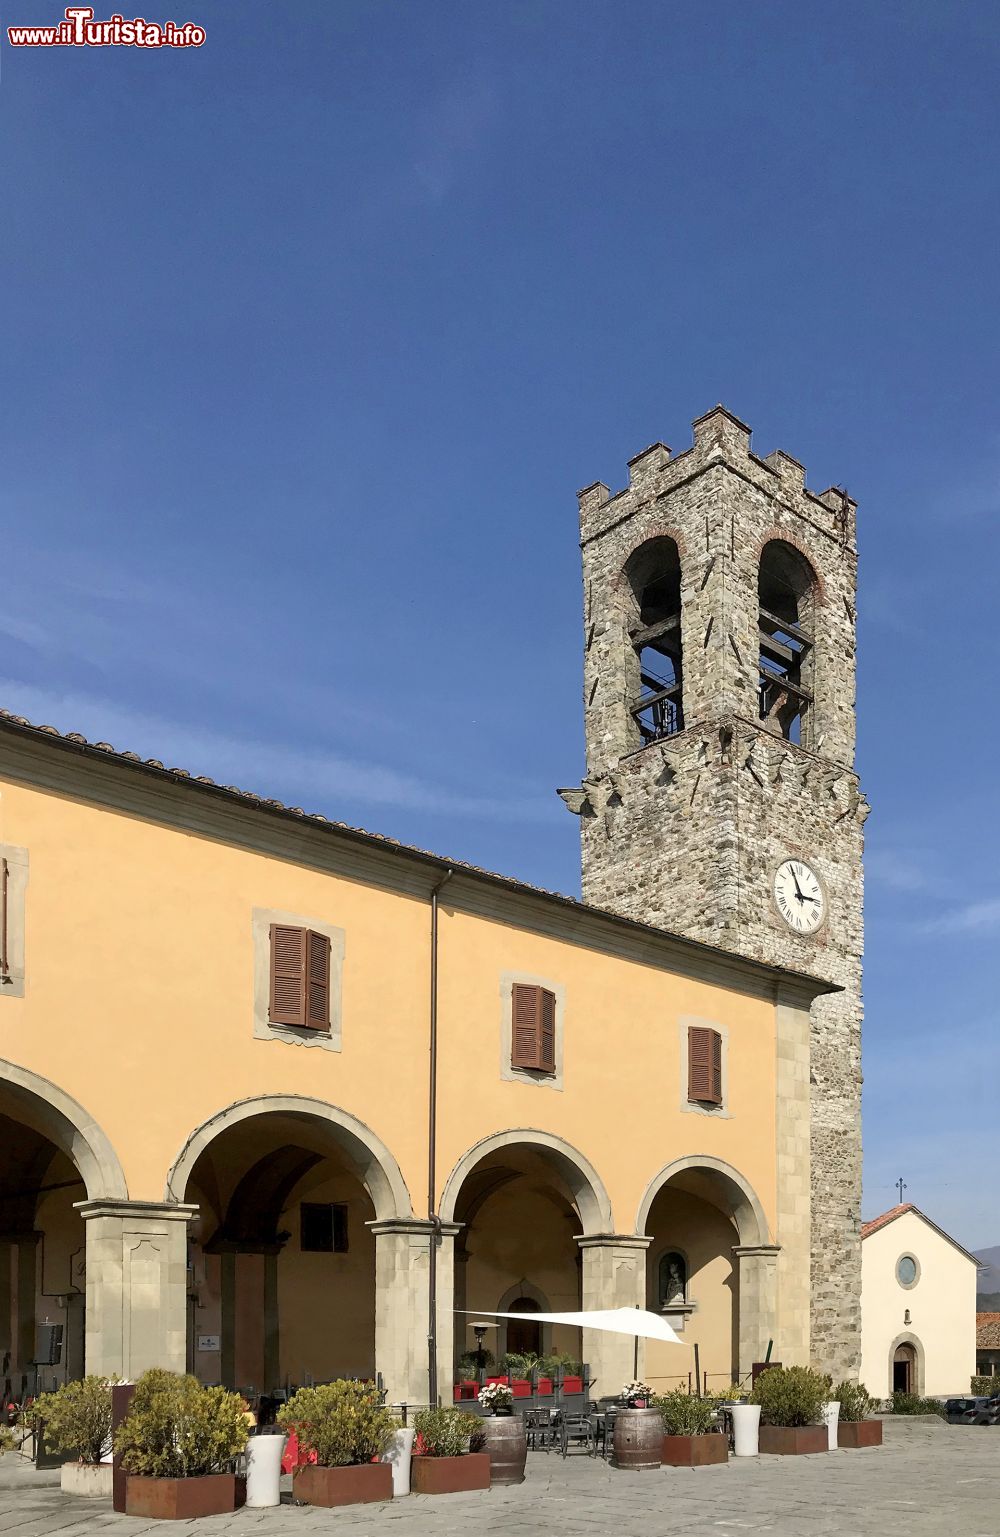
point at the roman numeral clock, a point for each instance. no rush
(799, 896)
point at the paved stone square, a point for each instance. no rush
(927, 1481)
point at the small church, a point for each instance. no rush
(283, 1100)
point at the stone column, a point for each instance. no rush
(758, 1303)
(27, 1282)
(402, 1275)
(6, 1298)
(614, 1276)
(136, 1285)
(227, 1317)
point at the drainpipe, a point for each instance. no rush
(432, 1216)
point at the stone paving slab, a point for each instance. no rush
(927, 1481)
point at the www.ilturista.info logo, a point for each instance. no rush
(80, 30)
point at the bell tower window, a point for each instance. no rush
(786, 594)
(653, 585)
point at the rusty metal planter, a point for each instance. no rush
(793, 1440)
(695, 1451)
(450, 1475)
(855, 1434)
(184, 1499)
(362, 1483)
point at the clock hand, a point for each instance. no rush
(798, 892)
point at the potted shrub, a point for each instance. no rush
(447, 1458)
(178, 1444)
(571, 1375)
(77, 1420)
(691, 1435)
(341, 1426)
(791, 1400)
(855, 1428)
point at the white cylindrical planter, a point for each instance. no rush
(746, 1429)
(264, 1455)
(831, 1416)
(398, 1455)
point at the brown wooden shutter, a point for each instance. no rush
(317, 981)
(288, 975)
(704, 1065)
(533, 1028)
(716, 1068)
(526, 1007)
(547, 1038)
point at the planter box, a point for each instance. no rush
(364, 1483)
(450, 1475)
(572, 1384)
(544, 1387)
(465, 1390)
(87, 1478)
(695, 1451)
(184, 1499)
(855, 1434)
(520, 1387)
(793, 1440)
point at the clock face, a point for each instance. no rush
(799, 896)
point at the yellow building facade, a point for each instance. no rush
(187, 1181)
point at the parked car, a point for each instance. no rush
(973, 1411)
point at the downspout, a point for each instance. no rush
(432, 1217)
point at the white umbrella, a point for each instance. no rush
(634, 1321)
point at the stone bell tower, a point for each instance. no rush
(720, 799)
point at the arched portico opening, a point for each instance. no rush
(281, 1262)
(709, 1267)
(52, 1156)
(521, 1200)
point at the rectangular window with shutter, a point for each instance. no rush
(300, 978)
(704, 1066)
(533, 1028)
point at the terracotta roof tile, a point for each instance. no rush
(988, 1331)
(867, 1228)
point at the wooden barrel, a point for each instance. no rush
(638, 1439)
(507, 1447)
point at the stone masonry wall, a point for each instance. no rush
(686, 833)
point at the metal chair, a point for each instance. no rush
(578, 1428)
(540, 1429)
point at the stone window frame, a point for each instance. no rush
(17, 886)
(906, 1285)
(693, 1107)
(293, 1035)
(511, 1074)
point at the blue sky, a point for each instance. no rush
(310, 335)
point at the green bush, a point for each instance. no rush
(518, 1363)
(557, 1361)
(984, 1387)
(856, 1403)
(175, 1428)
(77, 1417)
(8, 1440)
(731, 1395)
(343, 1422)
(446, 1432)
(468, 1364)
(912, 1403)
(684, 1415)
(790, 1395)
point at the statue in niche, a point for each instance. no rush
(672, 1279)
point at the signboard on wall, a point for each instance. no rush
(209, 1342)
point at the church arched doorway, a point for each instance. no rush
(904, 1369)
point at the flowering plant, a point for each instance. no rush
(636, 1395)
(497, 1397)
